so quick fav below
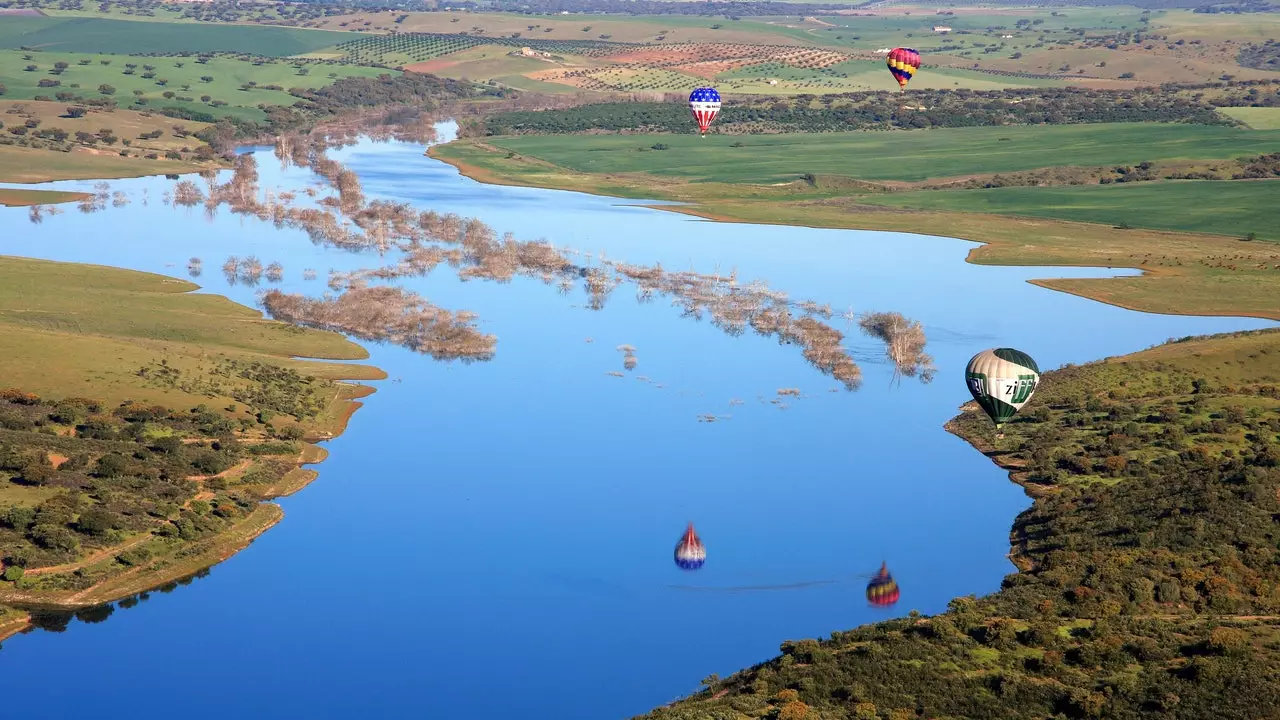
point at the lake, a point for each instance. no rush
(495, 539)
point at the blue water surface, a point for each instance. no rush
(494, 540)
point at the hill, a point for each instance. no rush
(1146, 564)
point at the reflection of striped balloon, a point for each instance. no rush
(1002, 381)
(882, 591)
(903, 63)
(704, 103)
(690, 555)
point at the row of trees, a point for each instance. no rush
(851, 111)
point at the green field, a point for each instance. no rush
(909, 156)
(100, 35)
(1225, 208)
(70, 329)
(1258, 118)
(228, 76)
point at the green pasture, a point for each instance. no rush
(1234, 208)
(228, 75)
(1258, 118)
(102, 35)
(891, 155)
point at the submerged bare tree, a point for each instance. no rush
(388, 314)
(904, 343)
(187, 194)
(195, 266)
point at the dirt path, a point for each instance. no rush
(91, 559)
(242, 465)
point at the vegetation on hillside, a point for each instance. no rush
(1148, 580)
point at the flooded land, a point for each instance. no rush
(572, 380)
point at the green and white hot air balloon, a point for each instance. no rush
(1002, 381)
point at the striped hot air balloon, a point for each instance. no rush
(704, 103)
(1002, 381)
(690, 555)
(882, 591)
(903, 63)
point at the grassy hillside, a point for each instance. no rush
(102, 35)
(907, 156)
(25, 165)
(62, 322)
(182, 78)
(1147, 564)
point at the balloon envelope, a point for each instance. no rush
(704, 103)
(1002, 380)
(690, 554)
(882, 591)
(903, 63)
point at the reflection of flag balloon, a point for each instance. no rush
(690, 555)
(1002, 381)
(882, 591)
(903, 63)
(704, 103)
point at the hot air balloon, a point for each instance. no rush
(1002, 381)
(903, 63)
(882, 591)
(690, 555)
(704, 103)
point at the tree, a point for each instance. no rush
(111, 465)
(75, 111)
(96, 521)
(106, 89)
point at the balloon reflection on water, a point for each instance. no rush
(690, 554)
(883, 590)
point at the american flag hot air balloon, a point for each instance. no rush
(903, 63)
(690, 555)
(882, 591)
(704, 102)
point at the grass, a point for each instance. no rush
(69, 329)
(905, 156)
(182, 76)
(24, 198)
(1258, 118)
(1186, 273)
(1224, 208)
(103, 35)
(25, 165)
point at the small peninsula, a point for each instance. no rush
(143, 428)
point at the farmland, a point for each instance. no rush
(903, 156)
(96, 35)
(191, 83)
(1224, 208)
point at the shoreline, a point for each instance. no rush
(17, 605)
(959, 226)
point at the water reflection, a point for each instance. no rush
(58, 620)
(883, 591)
(690, 554)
